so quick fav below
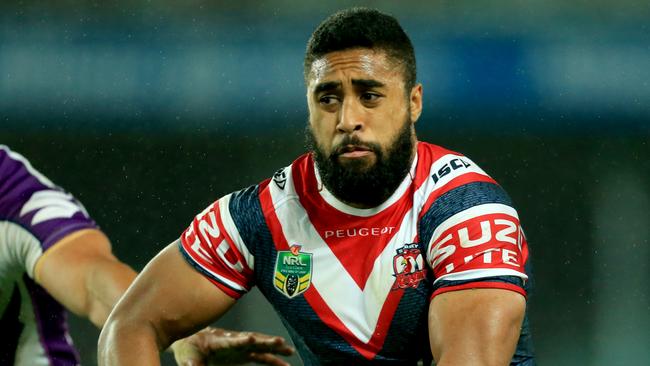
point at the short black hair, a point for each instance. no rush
(363, 28)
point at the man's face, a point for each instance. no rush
(359, 114)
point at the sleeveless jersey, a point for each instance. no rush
(34, 215)
(354, 285)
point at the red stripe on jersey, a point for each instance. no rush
(485, 284)
(314, 299)
(454, 183)
(356, 241)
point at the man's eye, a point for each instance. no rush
(328, 100)
(369, 97)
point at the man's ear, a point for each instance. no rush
(415, 101)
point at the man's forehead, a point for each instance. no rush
(364, 62)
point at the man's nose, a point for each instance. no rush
(351, 116)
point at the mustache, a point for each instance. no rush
(351, 143)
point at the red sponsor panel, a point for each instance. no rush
(490, 241)
(208, 243)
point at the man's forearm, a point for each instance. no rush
(127, 343)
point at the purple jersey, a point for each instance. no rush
(35, 214)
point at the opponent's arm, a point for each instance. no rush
(81, 273)
(475, 327)
(168, 300)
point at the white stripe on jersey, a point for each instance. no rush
(231, 229)
(480, 273)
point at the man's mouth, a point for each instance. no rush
(354, 151)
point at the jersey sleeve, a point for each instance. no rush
(35, 213)
(213, 245)
(474, 239)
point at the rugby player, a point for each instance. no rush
(374, 247)
(54, 257)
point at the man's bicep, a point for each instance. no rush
(172, 297)
(475, 326)
(80, 272)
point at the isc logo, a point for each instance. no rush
(493, 239)
(449, 167)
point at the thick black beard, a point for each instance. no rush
(357, 183)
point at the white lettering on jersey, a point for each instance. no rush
(502, 235)
(364, 231)
(209, 230)
(467, 242)
(451, 166)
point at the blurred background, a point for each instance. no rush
(149, 111)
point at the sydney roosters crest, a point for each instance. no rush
(408, 267)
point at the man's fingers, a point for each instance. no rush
(267, 344)
(252, 342)
(268, 359)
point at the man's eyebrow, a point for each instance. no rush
(326, 86)
(367, 83)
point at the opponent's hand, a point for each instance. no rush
(214, 346)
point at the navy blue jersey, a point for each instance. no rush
(354, 285)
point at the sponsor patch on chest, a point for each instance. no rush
(292, 271)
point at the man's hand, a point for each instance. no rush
(213, 346)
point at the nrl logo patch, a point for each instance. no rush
(280, 178)
(408, 267)
(292, 271)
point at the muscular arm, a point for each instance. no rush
(168, 301)
(475, 327)
(81, 273)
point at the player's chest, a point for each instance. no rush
(369, 257)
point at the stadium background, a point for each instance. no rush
(148, 111)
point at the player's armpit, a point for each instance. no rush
(167, 301)
(475, 326)
(81, 273)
